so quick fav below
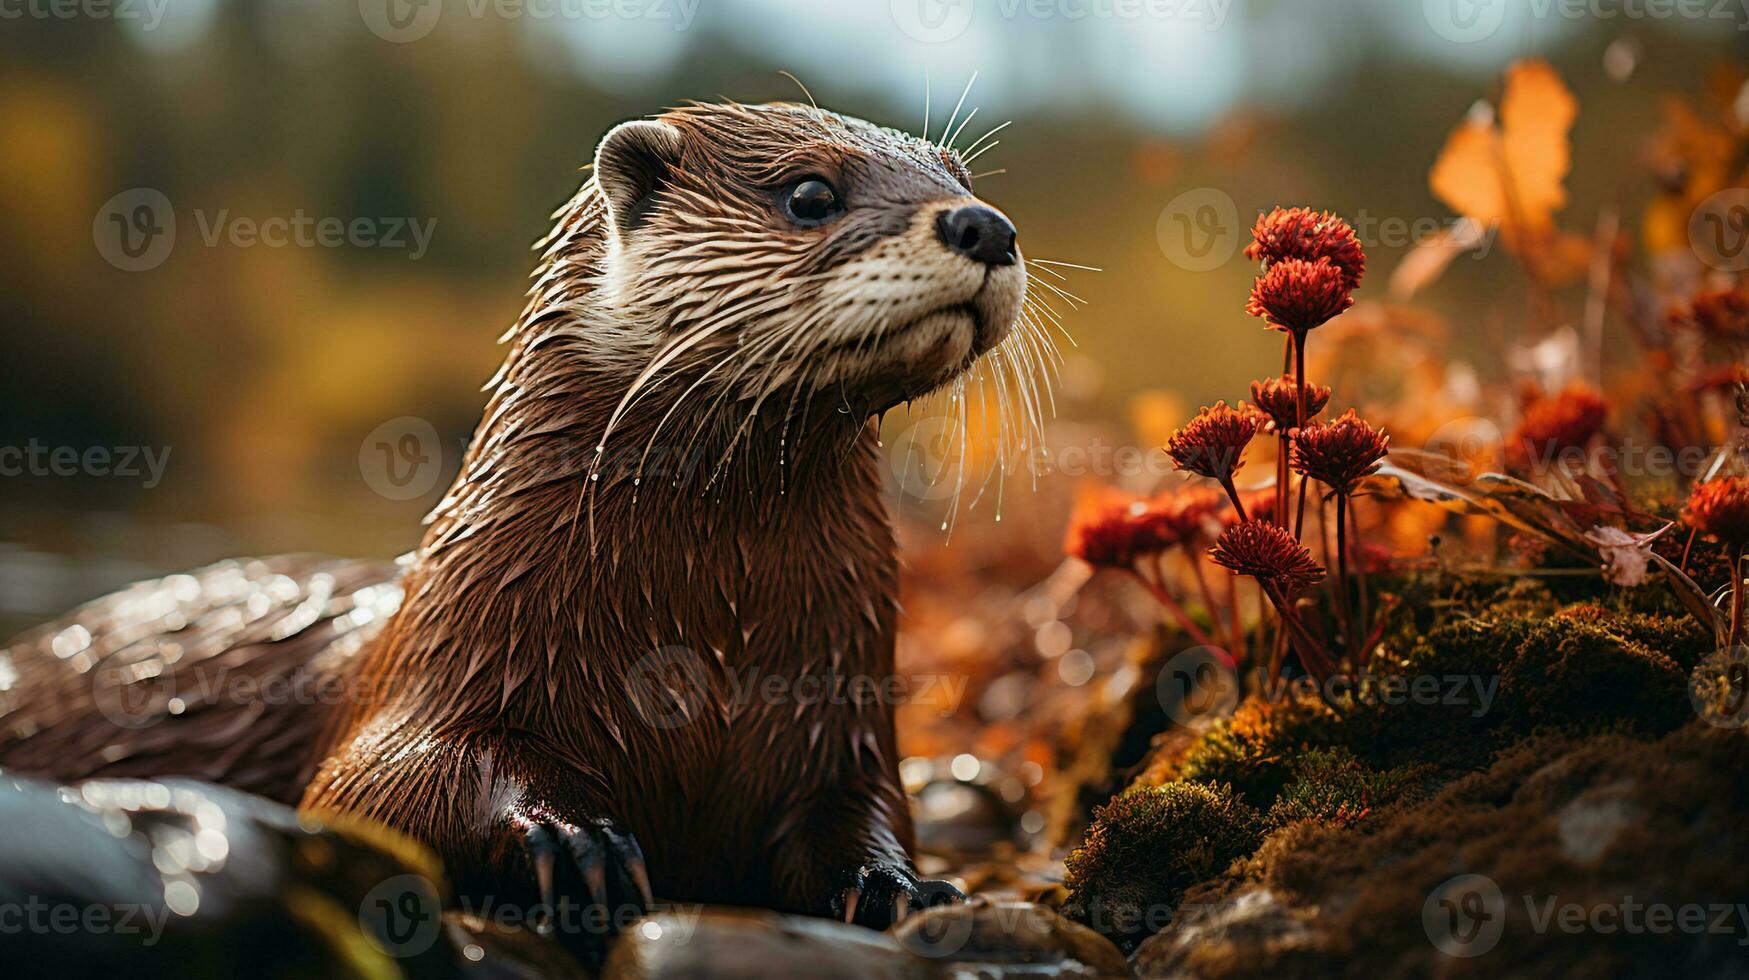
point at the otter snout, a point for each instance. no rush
(980, 233)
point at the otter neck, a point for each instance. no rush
(552, 565)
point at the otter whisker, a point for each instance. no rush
(990, 173)
(967, 159)
(925, 101)
(980, 140)
(957, 106)
(1074, 300)
(961, 127)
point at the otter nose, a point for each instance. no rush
(979, 233)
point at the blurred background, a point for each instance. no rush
(188, 375)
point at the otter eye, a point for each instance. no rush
(811, 201)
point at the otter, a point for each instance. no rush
(676, 479)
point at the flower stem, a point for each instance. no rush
(1342, 595)
(1732, 638)
(1300, 338)
(1174, 610)
(1208, 599)
(1316, 657)
(1365, 627)
(1233, 495)
(1234, 614)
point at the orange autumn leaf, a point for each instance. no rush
(1512, 171)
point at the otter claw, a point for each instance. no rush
(593, 849)
(881, 895)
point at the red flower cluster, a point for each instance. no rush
(1338, 454)
(1115, 530)
(1569, 420)
(1302, 233)
(1722, 315)
(1267, 552)
(1298, 296)
(1213, 444)
(1721, 509)
(1279, 401)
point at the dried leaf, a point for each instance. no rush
(1513, 172)
(1432, 255)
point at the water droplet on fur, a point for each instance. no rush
(594, 476)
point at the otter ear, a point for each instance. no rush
(631, 164)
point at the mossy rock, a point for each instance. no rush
(1332, 787)
(1254, 751)
(1149, 844)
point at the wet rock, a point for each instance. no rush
(732, 944)
(966, 805)
(174, 878)
(490, 951)
(959, 817)
(1230, 929)
(1009, 939)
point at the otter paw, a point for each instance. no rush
(881, 895)
(604, 856)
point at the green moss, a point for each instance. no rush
(1331, 786)
(1579, 675)
(1254, 750)
(1149, 844)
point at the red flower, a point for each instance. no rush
(1554, 425)
(1268, 553)
(1111, 529)
(1726, 378)
(1259, 506)
(1721, 508)
(1213, 444)
(1338, 454)
(1279, 401)
(1723, 315)
(1198, 512)
(1301, 233)
(1298, 296)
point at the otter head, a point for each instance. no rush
(799, 249)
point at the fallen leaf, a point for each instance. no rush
(1512, 172)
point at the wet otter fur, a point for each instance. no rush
(676, 483)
